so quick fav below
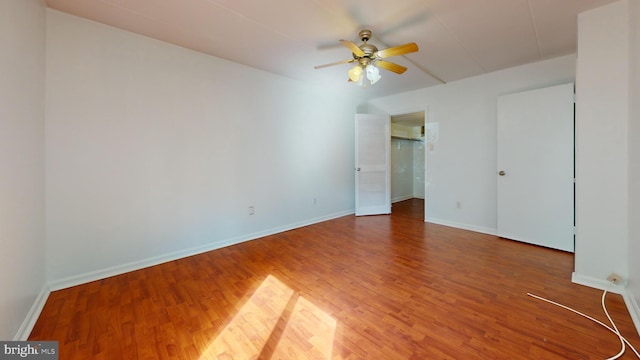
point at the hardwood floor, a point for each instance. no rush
(375, 287)
(412, 208)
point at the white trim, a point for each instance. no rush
(137, 265)
(410, 110)
(402, 198)
(634, 309)
(32, 316)
(597, 283)
(629, 300)
(479, 229)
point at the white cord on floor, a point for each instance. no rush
(604, 307)
(622, 339)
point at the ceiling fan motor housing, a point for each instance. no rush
(368, 49)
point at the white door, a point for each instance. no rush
(535, 167)
(373, 164)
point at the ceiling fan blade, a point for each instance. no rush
(335, 63)
(353, 47)
(398, 69)
(397, 50)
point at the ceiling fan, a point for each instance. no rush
(369, 59)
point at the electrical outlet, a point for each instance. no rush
(458, 204)
(615, 278)
(252, 210)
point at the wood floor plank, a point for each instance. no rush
(374, 287)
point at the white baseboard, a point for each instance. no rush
(407, 197)
(137, 265)
(597, 283)
(629, 300)
(479, 229)
(634, 309)
(32, 316)
(401, 198)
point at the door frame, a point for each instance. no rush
(410, 110)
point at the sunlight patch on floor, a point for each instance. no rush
(275, 323)
(309, 333)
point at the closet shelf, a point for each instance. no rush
(420, 139)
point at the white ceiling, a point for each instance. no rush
(457, 38)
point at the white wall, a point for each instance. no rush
(402, 164)
(634, 158)
(155, 152)
(602, 117)
(407, 162)
(22, 272)
(407, 169)
(461, 164)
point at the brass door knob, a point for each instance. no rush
(502, 173)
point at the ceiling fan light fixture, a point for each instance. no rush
(355, 74)
(360, 82)
(373, 74)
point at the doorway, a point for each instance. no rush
(408, 163)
